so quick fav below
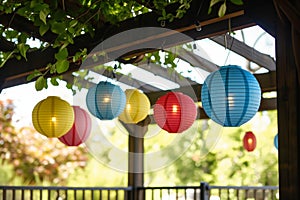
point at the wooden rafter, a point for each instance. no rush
(246, 51)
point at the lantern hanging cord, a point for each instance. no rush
(226, 47)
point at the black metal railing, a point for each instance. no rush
(244, 192)
(61, 193)
(201, 192)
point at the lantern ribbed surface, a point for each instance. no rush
(80, 130)
(230, 96)
(105, 100)
(53, 117)
(137, 107)
(249, 141)
(175, 112)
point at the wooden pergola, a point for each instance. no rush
(279, 18)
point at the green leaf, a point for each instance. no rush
(222, 10)
(58, 27)
(62, 66)
(54, 81)
(62, 54)
(209, 10)
(237, 2)
(73, 23)
(43, 14)
(43, 29)
(40, 83)
(23, 49)
(69, 86)
(23, 38)
(34, 74)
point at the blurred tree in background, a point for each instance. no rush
(227, 162)
(33, 157)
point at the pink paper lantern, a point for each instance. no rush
(80, 130)
(175, 112)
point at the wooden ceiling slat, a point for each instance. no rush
(246, 51)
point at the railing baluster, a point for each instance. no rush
(117, 194)
(152, 193)
(92, 194)
(75, 194)
(66, 194)
(41, 193)
(228, 194)
(22, 194)
(31, 194)
(4, 194)
(13, 194)
(100, 196)
(160, 191)
(108, 194)
(49, 194)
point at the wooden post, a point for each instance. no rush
(288, 98)
(136, 158)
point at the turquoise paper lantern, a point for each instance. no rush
(105, 101)
(276, 141)
(231, 96)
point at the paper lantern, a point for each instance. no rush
(231, 96)
(175, 112)
(53, 117)
(276, 141)
(105, 100)
(249, 141)
(137, 107)
(80, 130)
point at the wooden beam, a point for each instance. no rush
(263, 13)
(170, 74)
(288, 94)
(136, 158)
(196, 60)
(246, 51)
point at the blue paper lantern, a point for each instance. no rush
(230, 96)
(276, 141)
(105, 100)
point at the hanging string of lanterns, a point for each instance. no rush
(230, 97)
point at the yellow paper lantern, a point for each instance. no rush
(53, 117)
(137, 107)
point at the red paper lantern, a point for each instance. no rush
(175, 112)
(80, 130)
(249, 141)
